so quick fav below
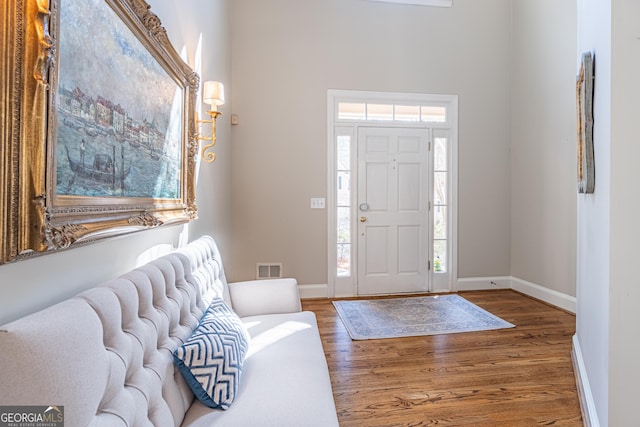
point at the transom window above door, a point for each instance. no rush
(392, 112)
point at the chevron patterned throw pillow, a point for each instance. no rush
(211, 359)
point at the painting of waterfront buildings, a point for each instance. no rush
(119, 130)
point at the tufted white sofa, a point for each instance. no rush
(106, 354)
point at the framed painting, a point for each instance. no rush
(99, 124)
(584, 101)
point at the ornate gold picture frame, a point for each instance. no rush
(98, 124)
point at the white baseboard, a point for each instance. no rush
(313, 291)
(558, 299)
(564, 301)
(484, 283)
(587, 404)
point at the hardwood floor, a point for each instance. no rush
(521, 376)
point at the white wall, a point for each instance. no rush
(29, 285)
(608, 231)
(287, 53)
(624, 321)
(594, 221)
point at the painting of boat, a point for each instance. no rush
(103, 169)
(91, 131)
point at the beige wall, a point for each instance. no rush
(29, 285)
(624, 324)
(288, 53)
(543, 143)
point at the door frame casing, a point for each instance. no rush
(347, 286)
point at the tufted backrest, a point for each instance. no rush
(207, 270)
(106, 354)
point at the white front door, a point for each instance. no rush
(393, 210)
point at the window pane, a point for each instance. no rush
(351, 111)
(440, 154)
(379, 111)
(344, 188)
(344, 225)
(433, 114)
(343, 191)
(344, 260)
(407, 113)
(440, 256)
(440, 222)
(440, 188)
(343, 153)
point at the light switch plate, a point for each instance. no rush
(317, 203)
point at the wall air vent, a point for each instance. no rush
(268, 270)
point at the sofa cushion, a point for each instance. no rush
(285, 379)
(211, 359)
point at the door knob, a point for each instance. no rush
(363, 219)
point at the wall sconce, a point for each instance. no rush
(212, 94)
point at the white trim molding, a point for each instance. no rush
(555, 298)
(313, 291)
(563, 301)
(587, 403)
(484, 283)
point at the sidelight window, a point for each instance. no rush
(440, 203)
(343, 198)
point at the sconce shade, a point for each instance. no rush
(213, 93)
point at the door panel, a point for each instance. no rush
(376, 186)
(409, 187)
(393, 227)
(409, 250)
(377, 256)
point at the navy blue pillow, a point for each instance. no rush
(211, 359)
